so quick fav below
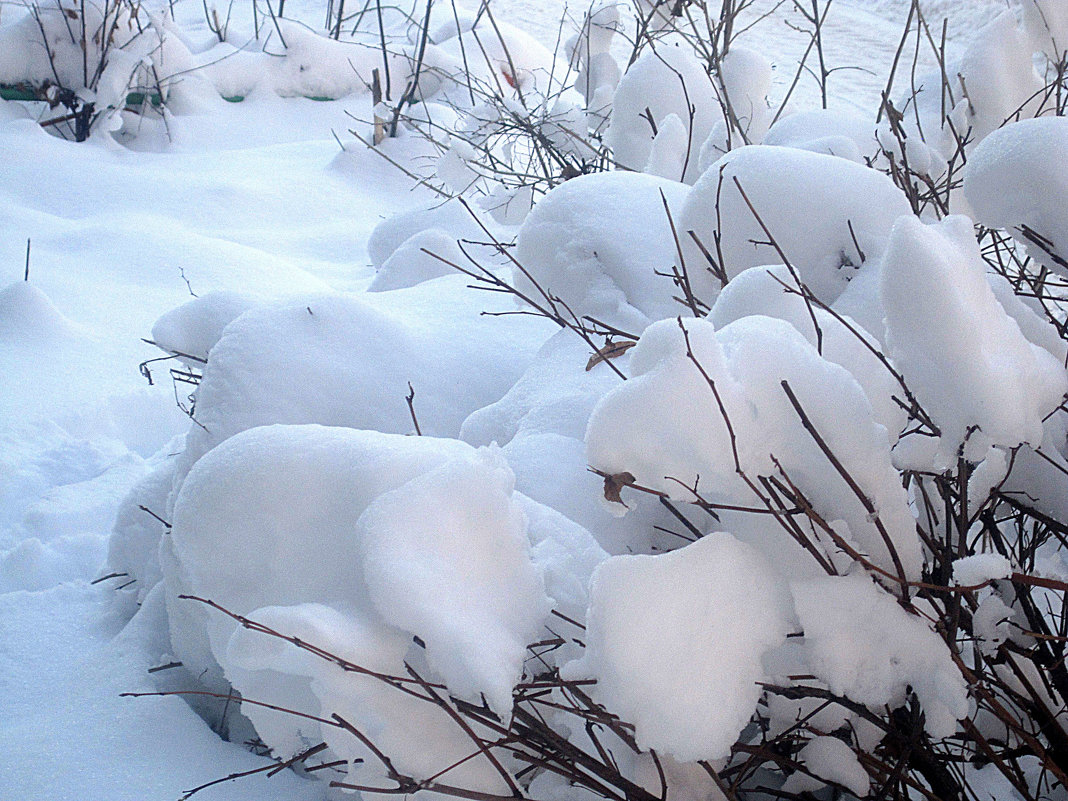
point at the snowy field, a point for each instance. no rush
(267, 207)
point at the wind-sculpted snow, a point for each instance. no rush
(445, 557)
(359, 541)
(875, 665)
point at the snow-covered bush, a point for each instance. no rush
(87, 58)
(779, 511)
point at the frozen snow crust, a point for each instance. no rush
(763, 476)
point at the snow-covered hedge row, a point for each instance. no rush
(779, 509)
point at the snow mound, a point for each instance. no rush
(358, 542)
(450, 217)
(1030, 316)
(312, 64)
(27, 315)
(412, 263)
(1046, 23)
(808, 201)
(831, 760)
(541, 423)
(771, 291)
(252, 510)
(133, 548)
(999, 76)
(347, 360)
(498, 53)
(10, 111)
(646, 426)
(194, 327)
(675, 643)
(875, 664)
(39, 49)
(1016, 177)
(836, 133)
(555, 395)
(598, 241)
(965, 359)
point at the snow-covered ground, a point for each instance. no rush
(256, 198)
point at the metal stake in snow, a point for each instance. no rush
(26, 275)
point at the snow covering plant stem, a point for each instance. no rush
(526, 738)
(94, 55)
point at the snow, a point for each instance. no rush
(830, 759)
(393, 232)
(874, 665)
(541, 423)
(445, 557)
(597, 242)
(668, 81)
(193, 328)
(993, 623)
(422, 257)
(347, 360)
(970, 571)
(27, 316)
(258, 236)
(646, 427)
(64, 643)
(836, 133)
(675, 643)
(1014, 176)
(808, 201)
(245, 513)
(767, 291)
(998, 76)
(989, 387)
(1046, 22)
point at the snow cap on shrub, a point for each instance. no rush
(446, 557)
(861, 642)
(965, 359)
(1018, 177)
(675, 643)
(808, 201)
(666, 427)
(667, 80)
(597, 243)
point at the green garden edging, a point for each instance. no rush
(29, 94)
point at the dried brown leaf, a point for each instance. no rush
(615, 483)
(611, 350)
